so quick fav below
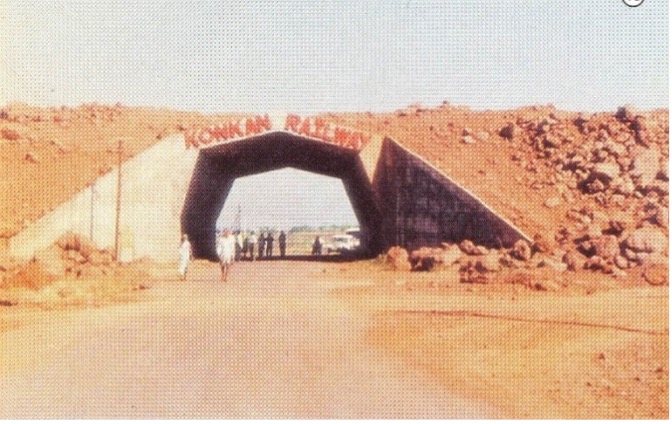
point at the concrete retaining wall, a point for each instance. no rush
(423, 207)
(154, 185)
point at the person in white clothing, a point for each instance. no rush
(185, 256)
(226, 251)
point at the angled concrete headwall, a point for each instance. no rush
(154, 185)
(423, 207)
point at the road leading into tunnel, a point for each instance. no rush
(266, 345)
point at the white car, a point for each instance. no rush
(342, 243)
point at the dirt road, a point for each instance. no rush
(258, 347)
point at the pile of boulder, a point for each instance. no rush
(611, 250)
(72, 256)
(611, 158)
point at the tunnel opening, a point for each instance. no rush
(301, 204)
(218, 167)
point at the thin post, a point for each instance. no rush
(93, 193)
(118, 207)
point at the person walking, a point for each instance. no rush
(262, 245)
(269, 245)
(282, 241)
(185, 256)
(226, 251)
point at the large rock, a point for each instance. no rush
(648, 240)
(509, 132)
(451, 254)
(606, 247)
(397, 259)
(468, 247)
(488, 263)
(425, 258)
(646, 166)
(574, 260)
(77, 242)
(662, 217)
(656, 275)
(626, 113)
(521, 250)
(606, 171)
(553, 264)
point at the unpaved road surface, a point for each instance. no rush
(257, 347)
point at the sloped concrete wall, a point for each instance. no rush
(423, 207)
(154, 186)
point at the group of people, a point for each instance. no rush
(234, 246)
(245, 245)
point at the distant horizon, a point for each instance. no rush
(410, 104)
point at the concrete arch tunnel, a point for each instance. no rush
(218, 167)
(398, 197)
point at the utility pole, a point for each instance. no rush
(237, 220)
(93, 201)
(118, 208)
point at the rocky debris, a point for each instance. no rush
(626, 113)
(468, 247)
(555, 265)
(426, 258)
(553, 202)
(10, 134)
(467, 139)
(397, 259)
(574, 260)
(606, 247)
(620, 222)
(656, 275)
(597, 263)
(606, 172)
(621, 262)
(471, 137)
(522, 250)
(661, 217)
(71, 241)
(509, 131)
(645, 167)
(647, 240)
(46, 267)
(488, 263)
(72, 255)
(540, 244)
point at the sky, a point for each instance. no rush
(286, 198)
(311, 56)
(314, 56)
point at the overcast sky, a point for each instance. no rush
(312, 56)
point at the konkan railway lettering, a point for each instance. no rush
(316, 128)
(227, 131)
